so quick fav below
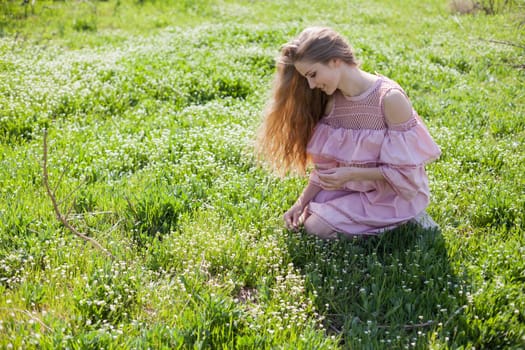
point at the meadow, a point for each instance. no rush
(150, 110)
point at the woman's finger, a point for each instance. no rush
(296, 217)
(287, 220)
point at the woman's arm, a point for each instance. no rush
(335, 179)
(293, 216)
(309, 192)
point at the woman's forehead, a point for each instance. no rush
(306, 67)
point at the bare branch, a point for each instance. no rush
(406, 327)
(27, 313)
(60, 178)
(67, 196)
(91, 213)
(68, 214)
(131, 206)
(509, 43)
(59, 215)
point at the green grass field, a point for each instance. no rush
(151, 108)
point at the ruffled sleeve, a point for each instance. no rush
(405, 151)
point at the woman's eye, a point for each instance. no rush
(313, 75)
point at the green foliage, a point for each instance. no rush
(495, 6)
(152, 108)
(108, 296)
(490, 7)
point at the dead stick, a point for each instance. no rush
(509, 43)
(60, 179)
(33, 317)
(59, 215)
(406, 327)
(67, 196)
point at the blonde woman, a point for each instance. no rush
(367, 144)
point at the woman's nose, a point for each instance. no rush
(311, 83)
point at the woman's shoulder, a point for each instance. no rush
(397, 107)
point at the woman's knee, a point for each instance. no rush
(317, 227)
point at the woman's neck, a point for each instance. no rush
(355, 81)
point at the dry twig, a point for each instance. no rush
(503, 42)
(30, 315)
(63, 218)
(406, 327)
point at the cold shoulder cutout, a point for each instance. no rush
(396, 107)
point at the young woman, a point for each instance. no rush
(367, 144)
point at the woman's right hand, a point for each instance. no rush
(293, 217)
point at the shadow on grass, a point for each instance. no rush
(396, 290)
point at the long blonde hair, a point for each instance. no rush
(294, 109)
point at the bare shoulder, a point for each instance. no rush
(397, 107)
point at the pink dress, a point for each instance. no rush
(356, 134)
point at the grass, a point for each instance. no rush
(151, 109)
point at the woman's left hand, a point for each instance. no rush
(334, 178)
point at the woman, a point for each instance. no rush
(367, 144)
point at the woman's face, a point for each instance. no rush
(320, 75)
